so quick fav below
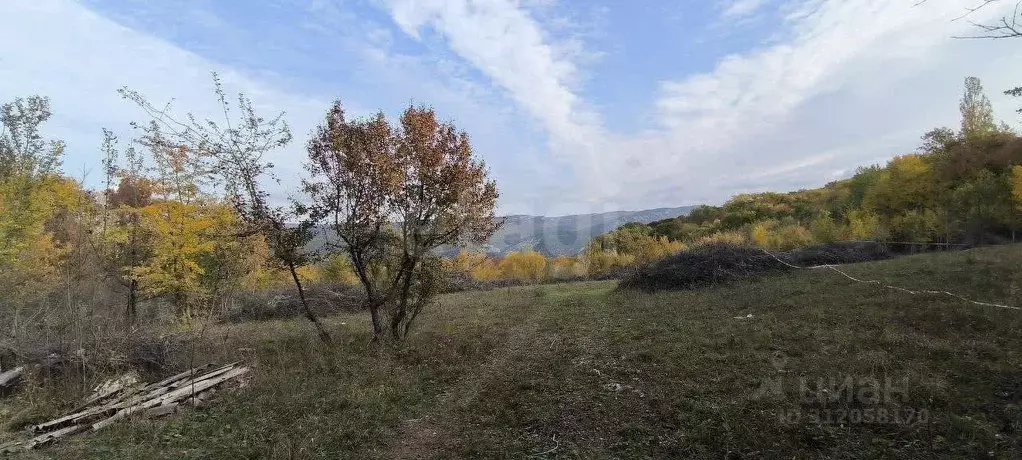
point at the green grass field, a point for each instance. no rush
(583, 371)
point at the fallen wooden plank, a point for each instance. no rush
(71, 419)
(110, 410)
(200, 399)
(179, 383)
(198, 387)
(124, 397)
(160, 411)
(171, 398)
(92, 413)
(49, 438)
(12, 446)
(114, 406)
(118, 416)
(213, 373)
(174, 378)
(109, 389)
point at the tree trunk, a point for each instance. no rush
(374, 312)
(131, 311)
(407, 270)
(133, 285)
(323, 334)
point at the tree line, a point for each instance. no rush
(961, 186)
(184, 222)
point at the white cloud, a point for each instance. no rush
(846, 82)
(843, 57)
(79, 59)
(742, 8)
(504, 42)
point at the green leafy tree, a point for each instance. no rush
(977, 113)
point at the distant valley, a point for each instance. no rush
(554, 236)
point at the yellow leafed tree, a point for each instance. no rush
(526, 266)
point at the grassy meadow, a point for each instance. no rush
(583, 370)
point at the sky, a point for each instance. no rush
(577, 106)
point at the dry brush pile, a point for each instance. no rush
(724, 262)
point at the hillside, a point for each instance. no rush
(567, 235)
(554, 236)
(583, 371)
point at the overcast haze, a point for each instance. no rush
(576, 106)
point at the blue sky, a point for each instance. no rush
(576, 106)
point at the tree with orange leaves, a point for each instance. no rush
(393, 194)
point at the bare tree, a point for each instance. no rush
(231, 152)
(1008, 26)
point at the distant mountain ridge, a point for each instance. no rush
(551, 236)
(567, 235)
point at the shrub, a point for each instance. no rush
(723, 262)
(726, 237)
(525, 266)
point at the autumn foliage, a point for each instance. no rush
(183, 228)
(392, 195)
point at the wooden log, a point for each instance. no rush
(10, 379)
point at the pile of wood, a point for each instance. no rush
(126, 396)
